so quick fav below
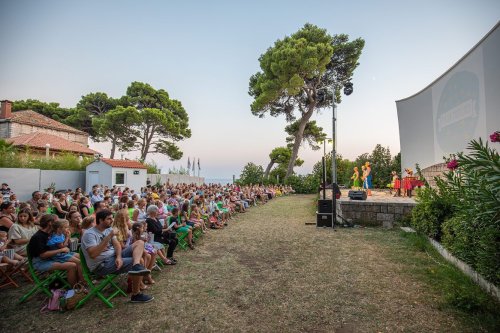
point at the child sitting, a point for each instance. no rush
(60, 239)
(149, 254)
(4, 241)
(214, 220)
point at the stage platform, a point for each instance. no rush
(380, 209)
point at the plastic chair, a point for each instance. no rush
(43, 280)
(96, 287)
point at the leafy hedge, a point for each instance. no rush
(304, 184)
(463, 212)
(64, 161)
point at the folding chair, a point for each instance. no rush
(43, 280)
(181, 239)
(96, 287)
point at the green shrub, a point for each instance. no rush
(464, 211)
(432, 210)
(304, 184)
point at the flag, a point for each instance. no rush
(194, 161)
(199, 168)
(189, 164)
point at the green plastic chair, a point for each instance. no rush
(43, 280)
(96, 287)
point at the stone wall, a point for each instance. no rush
(433, 171)
(373, 213)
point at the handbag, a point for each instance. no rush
(74, 296)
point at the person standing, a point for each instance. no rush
(368, 178)
(355, 179)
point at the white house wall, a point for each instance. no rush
(134, 182)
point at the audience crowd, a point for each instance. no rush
(119, 231)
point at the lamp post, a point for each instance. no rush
(347, 91)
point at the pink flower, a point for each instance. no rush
(452, 165)
(495, 137)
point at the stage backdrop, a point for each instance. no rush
(460, 105)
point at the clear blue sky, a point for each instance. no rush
(204, 52)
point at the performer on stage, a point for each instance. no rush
(355, 177)
(407, 187)
(396, 184)
(368, 179)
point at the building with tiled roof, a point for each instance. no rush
(120, 173)
(40, 142)
(35, 131)
(124, 163)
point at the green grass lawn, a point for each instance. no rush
(270, 272)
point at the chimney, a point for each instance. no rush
(6, 110)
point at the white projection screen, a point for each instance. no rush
(461, 105)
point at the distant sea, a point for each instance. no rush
(219, 180)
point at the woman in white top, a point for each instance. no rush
(20, 233)
(140, 212)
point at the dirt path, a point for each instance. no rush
(267, 272)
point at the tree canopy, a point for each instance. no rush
(144, 119)
(163, 121)
(301, 73)
(251, 174)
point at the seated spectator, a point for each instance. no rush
(179, 226)
(35, 198)
(61, 206)
(59, 239)
(96, 196)
(161, 234)
(42, 256)
(42, 210)
(84, 207)
(21, 232)
(5, 190)
(7, 216)
(104, 255)
(88, 223)
(140, 214)
(4, 242)
(75, 224)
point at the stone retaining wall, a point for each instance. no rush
(436, 170)
(373, 213)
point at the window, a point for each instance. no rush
(120, 178)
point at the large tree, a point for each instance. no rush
(117, 126)
(280, 156)
(313, 134)
(164, 121)
(300, 73)
(251, 174)
(51, 110)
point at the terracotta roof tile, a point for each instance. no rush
(39, 140)
(35, 119)
(124, 163)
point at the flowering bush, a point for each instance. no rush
(495, 137)
(464, 211)
(452, 165)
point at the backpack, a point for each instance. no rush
(53, 303)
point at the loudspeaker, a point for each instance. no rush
(324, 220)
(357, 195)
(325, 206)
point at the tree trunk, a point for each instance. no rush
(113, 148)
(268, 169)
(298, 141)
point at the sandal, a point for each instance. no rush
(169, 262)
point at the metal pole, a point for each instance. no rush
(334, 170)
(324, 168)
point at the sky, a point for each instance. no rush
(204, 52)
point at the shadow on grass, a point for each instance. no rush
(459, 293)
